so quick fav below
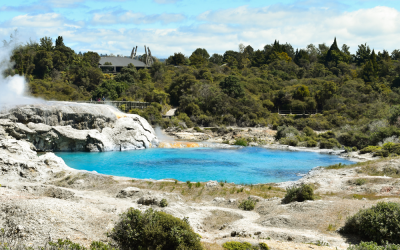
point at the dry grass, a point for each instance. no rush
(379, 170)
(197, 191)
(212, 246)
(89, 181)
(219, 218)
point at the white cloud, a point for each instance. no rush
(218, 31)
(135, 18)
(38, 21)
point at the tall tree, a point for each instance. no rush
(60, 42)
(363, 54)
(177, 59)
(46, 43)
(201, 52)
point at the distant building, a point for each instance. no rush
(117, 63)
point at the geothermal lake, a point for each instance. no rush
(250, 165)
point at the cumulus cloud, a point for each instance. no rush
(135, 18)
(218, 31)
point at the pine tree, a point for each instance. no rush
(369, 72)
(334, 54)
(334, 46)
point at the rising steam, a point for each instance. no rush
(12, 88)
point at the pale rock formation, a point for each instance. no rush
(77, 128)
(19, 161)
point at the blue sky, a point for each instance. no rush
(168, 26)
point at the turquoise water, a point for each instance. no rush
(250, 165)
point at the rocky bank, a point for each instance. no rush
(76, 127)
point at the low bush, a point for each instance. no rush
(309, 131)
(248, 204)
(153, 230)
(291, 141)
(57, 245)
(382, 153)
(373, 246)
(285, 131)
(370, 149)
(241, 142)
(329, 144)
(163, 203)
(198, 129)
(379, 223)
(360, 182)
(235, 245)
(336, 166)
(300, 194)
(312, 143)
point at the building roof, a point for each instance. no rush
(121, 61)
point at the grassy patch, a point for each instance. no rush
(374, 170)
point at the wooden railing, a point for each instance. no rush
(298, 112)
(122, 105)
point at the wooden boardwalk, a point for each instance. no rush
(122, 105)
(298, 112)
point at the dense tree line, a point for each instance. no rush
(358, 93)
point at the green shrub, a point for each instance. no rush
(381, 153)
(329, 144)
(153, 230)
(309, 131)
(336, 166)
(163, 203)
(388, 146)
(65, 245)
(241, 142)
(360, 182)
(264, 246)
(300, 194)
(327, 135)
(285, 131)
(379, 223)
(370, 149)
(291, 141)
(248, 204)
(373, 246)
(198, 129)
(311, 143)
(198, 184)
(235, 245)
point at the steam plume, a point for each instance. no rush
(12, 88)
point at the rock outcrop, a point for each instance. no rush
(73, 127)
(18, 160)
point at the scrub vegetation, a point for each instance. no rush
(356, 96)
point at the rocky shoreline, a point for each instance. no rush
(259, 137)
